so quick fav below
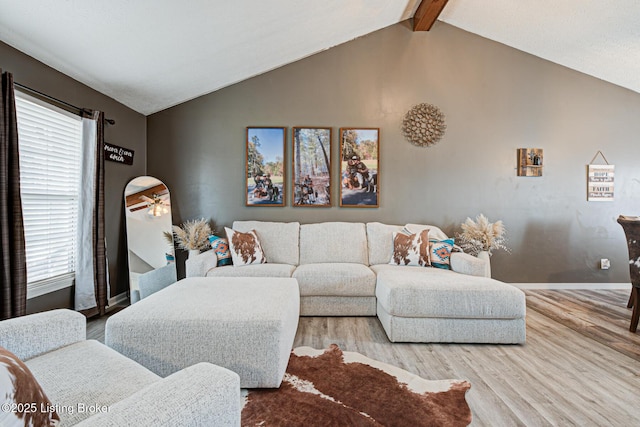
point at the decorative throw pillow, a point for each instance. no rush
(440, 252)
(411, 249)
(22, 401)
(220, 247)
(245, 248)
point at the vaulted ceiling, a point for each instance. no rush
(153, 54)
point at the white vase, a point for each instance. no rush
(194, 252)
(485, 256)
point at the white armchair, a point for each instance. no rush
(77, 374)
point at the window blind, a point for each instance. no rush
(50, 144)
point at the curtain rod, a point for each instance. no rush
(78, 110)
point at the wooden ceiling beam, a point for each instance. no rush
(427, 13)
(135, 198)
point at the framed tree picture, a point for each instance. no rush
(264, 166)
(311, 167)
(359, 167)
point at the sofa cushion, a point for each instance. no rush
(335, 279)
(22, 400)
(433, 292)
(279, 240)
(245, 248)
(333, 242)
(411, 249)
(63, 375)
(434, 232)
(255, 270)
(380, 241)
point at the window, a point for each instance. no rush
(50, 147)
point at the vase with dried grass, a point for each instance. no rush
(482, 236)
(193, 235)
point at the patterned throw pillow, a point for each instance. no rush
(411, 249)
(245, 248)
(22, 401)
(220, 247)
(440, 251)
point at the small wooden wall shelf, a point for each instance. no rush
(529, 162)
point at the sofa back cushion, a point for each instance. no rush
(279, 240)
(333, 242)
(380, 240)
(434, 232)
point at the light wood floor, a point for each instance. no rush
(580, 365)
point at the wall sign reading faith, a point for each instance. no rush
(600, 183)
(118, 154)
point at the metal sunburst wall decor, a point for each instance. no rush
(424, 125)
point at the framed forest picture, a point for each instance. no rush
(359, 167)
(311, 167)
(264, 166)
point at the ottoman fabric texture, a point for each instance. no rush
(246, 325)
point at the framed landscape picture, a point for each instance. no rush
(264, 166)
(311, 167)
(359, 167)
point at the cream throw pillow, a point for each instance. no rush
(411, 249)
(245, 248)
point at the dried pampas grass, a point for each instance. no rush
(482, 235)
(192, 235)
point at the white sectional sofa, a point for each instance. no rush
(343, 269)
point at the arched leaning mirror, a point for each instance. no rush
(149, 236)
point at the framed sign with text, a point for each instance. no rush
(600, 183)
(118, 154)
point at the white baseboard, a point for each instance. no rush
(120, 299)
(587, 286)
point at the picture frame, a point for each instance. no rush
(600, 183)
(265, 172)
(311, 166)
(359, 167)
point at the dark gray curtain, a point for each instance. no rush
(99, 239)
(13, 264)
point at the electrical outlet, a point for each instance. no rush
(605, 264)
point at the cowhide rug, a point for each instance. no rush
(336, 388)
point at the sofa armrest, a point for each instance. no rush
(200, 395)
(36, 334)
(468, 264)
(199, 265)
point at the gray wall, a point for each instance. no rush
(129, 131)
(496, 99)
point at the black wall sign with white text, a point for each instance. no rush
(118, 154)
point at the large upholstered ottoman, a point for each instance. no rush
(246, 325)
(448, 307)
